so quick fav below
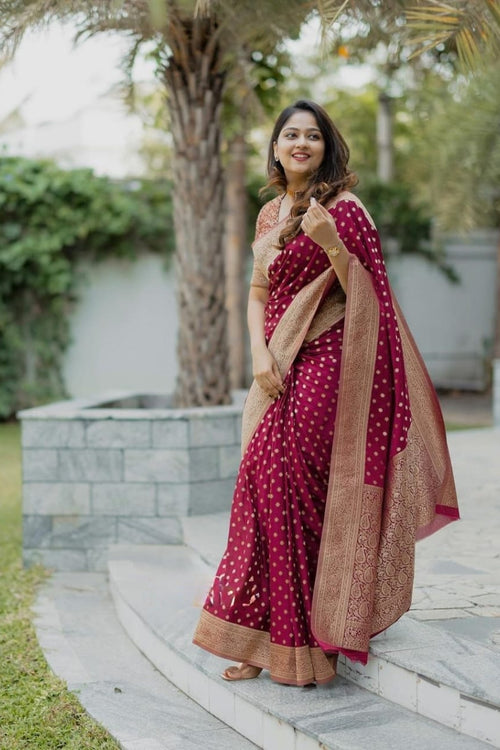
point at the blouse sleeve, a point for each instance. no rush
(258, 276)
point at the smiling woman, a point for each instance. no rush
(345, 462)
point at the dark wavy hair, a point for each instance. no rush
(332, 176)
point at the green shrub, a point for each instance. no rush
(50, 220)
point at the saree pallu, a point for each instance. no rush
(340, 475)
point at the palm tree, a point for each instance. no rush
(251, 94)
(195, 50)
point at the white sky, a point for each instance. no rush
(52, 78)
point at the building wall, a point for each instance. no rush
(123, 329)
(453, 324)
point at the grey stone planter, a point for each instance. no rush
(121, 469)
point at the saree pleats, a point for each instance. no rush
(265, 580)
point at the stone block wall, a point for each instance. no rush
(95, 476)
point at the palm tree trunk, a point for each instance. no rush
(195, 84)
(236, 245)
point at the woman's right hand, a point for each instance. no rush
(266, 372)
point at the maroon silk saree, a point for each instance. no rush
(339, 476)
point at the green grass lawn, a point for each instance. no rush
(36, 710)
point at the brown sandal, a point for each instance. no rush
(241, 672)
(333, 658)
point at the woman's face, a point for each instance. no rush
(300, 148)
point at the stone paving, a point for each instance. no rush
(452, 680)
(457, 582)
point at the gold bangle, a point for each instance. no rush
(333, 251)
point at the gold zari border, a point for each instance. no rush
(290, 666)
(345, 497)
(366, 564)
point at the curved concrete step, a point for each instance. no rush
(449, 678)
(157, 592)
(86, 646)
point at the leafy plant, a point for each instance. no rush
(50, 220)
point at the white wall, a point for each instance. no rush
(124, 329)
(102, 136)
(453, 324)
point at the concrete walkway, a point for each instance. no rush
(467, 408)
(85, 645)
(457, 582)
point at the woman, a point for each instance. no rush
(345, 462)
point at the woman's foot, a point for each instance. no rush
(241, 672)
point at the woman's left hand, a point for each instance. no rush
(320, 225)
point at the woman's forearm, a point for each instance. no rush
(257, 299)
(255, 318)
(264, 367)
(340, 264)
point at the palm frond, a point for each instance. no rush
(494, 9)
(330, 11)
(369, 22)
(474, 27)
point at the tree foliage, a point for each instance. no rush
(51, 220)
(471, 28)
(439, 63)
(462, 150)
